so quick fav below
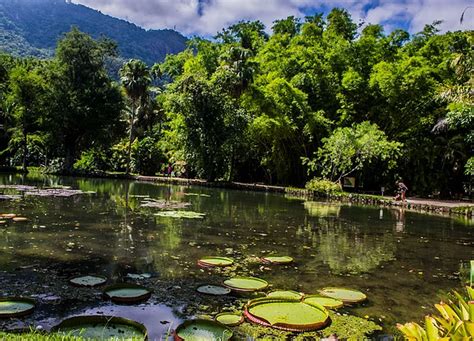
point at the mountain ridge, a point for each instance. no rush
(33, 27)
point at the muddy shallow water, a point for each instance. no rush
(402, 260)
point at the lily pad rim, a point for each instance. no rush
(186, 323)
(130, 299)
(284, 326)
(20, 299)
(85, 319)
(256, 279)
(326, 297)
(88, 286)
(202, 261)
(321, 292)
(241, 318)
(267, 260)
(213, 285)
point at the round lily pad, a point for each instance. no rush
(127, 293)
(19, 219)
(16, 306)
(215, 261)
(88, 281)
(181, 214)
(230, 319)
(286, 294)
(8, 215)
(328, 302)
(101, 328)
(200, 330)
(277, 259)
(246, 284)
(290, 315)
(343, 294)
(213, 290)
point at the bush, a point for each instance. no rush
(323, 186)
(146, 156)
(92, 161)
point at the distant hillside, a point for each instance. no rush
(32, 28)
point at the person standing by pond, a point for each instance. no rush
(401, 190)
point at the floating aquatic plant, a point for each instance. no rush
(181, 214)
(287, 314)
(200, 330)
(230, 319)
(215, 261)
(88, 280)
(127, 293)
(213, 290)
(164, 204)
(98, 327)
(277, 259)
(344, 295)
(246, 284)
(16, 306)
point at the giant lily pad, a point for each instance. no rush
(88, 281)
(202, 330)
(290, 315)
(343, 294)
(16, 306)
(328, 302)
(246, 284)
(164, 204)
(230, 319)
(285, 294)
(277, 259)
(181, 214)
(127, 293)
(19, 219)
(101, 328)
(213, 290)
(215, 261)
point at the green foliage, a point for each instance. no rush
(351, 149)
(469, 168)
(323, 186)
(454, 322)
(248, 106)
(147, 156)
(92, 161)
(86, 103)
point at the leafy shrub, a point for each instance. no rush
(146, 156)
(118, 160)
(323, 186)
(91, 161)
(455, 322)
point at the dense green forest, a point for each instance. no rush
(315, 99)
(32, 28)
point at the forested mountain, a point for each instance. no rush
(33, 27)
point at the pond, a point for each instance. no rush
(402, 260)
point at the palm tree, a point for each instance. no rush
(135, 77)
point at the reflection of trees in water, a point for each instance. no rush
(321, 209)
(345, 249)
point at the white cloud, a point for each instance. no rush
(207, 17)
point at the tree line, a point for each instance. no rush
(319, 98)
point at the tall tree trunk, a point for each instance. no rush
(25, 151)
(130, 140)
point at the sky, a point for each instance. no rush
(207, 17)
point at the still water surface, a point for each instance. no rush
(402, 260)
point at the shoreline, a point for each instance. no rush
(450, 207)
(443, 207)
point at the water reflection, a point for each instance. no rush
(110, 233)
